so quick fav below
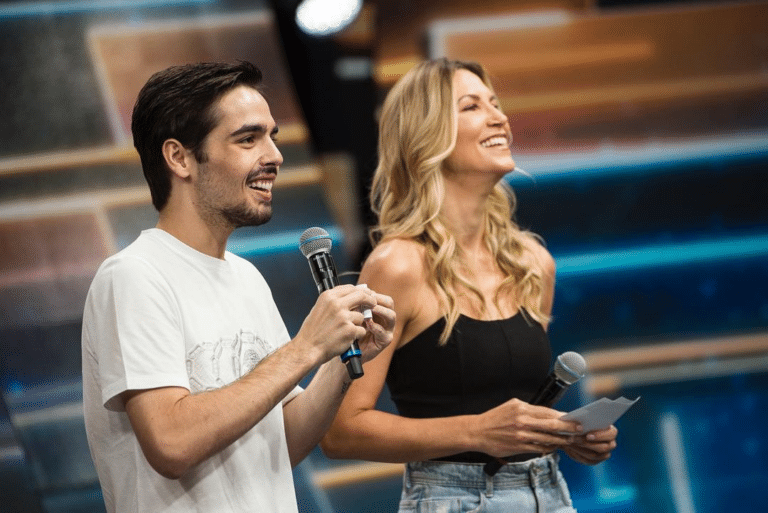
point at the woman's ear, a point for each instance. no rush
(177, 158)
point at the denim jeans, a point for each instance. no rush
(533, 486)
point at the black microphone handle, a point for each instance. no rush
(324, 272)
(548, 394)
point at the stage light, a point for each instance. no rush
(326, 17)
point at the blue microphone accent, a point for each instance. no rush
(316, 237)
(351, 352)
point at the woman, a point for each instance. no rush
(473, 296)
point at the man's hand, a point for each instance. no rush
(380, 328)
(335, 321)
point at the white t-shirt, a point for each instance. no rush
(159, 314)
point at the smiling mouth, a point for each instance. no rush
(496, 140)
(261, 185)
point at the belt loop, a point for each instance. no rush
(532, 475)
(407, 477)
(488, 485)
(553, 466)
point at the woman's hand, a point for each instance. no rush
(594, 447)
(517, 427)
(379, 327)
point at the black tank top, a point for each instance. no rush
(483, 364)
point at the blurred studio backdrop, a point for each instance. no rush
(643, 126)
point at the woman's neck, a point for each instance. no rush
(464, 211)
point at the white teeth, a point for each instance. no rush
(261, 184)
(494, 141)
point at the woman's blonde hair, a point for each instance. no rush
(417, 132)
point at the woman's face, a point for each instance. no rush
(484, 136)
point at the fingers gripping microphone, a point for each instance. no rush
(315, 244)
(569, 368)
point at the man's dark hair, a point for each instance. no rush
(179, 103)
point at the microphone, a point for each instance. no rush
(315, 244)
(569, 368)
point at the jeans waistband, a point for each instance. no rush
(479, 457)
(471, 475)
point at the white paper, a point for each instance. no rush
(600, 414)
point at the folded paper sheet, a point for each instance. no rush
(600, 414)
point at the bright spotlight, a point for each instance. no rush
(325, 17)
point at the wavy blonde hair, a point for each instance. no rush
(417, 132)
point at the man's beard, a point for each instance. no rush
(240, 215)
(209, 192)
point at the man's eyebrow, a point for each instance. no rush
(257, 128)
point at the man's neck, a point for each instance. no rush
(196, 233)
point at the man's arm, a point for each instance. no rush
(177, 430)
(309, 415)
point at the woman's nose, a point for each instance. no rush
(497, 118)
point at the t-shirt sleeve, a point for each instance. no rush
(135, 326)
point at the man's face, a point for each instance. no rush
(234, 185)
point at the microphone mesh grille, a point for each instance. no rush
(313, 240)
(570, 367)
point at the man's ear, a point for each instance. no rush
(178, 159)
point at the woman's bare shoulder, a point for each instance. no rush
(543, 256)
(396, 260)
(397, 267)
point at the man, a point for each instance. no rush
(190, 381)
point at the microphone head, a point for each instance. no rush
(314, 240)
(570, 367)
